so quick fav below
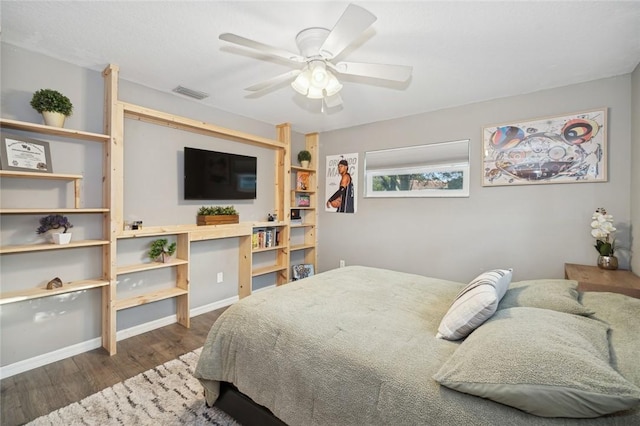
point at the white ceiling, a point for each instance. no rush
(461, 52)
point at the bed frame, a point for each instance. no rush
(243, 409)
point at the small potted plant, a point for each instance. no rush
(217, 215)
(162, 250)
(56, 222)
(53, 105)
(304, 157)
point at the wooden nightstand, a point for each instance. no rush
(592, 278)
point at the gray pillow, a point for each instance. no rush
(474, 304)
(556, 365)
(555, 294)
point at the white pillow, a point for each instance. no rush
(475, 304)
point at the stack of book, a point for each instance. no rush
(264, 237)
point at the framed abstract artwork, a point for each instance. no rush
(570, 148)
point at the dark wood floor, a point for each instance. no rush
(34, 393)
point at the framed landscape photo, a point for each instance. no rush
(24, 154)
(569, 148)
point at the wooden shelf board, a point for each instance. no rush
(182, 123)
(155, 296)
(196, 233)
(56, 131)
(303, 169)
(261, 249)
(302, 247)
(149, 266)
(267, 224)
(34, 293)
(302, 225)
(48, 246)
(53, 210)
(267, 270)
(35, 175)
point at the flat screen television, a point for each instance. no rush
(211, 175)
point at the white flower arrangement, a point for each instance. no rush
(601, 229)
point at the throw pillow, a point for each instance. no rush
(557, 365)
(475, 304)
(555, 294)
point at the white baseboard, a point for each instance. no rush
(69, 351)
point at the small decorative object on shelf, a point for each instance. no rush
(303, 200)
(304, 157)
(302, 181)
(217, 215)
(54, 283)
(53, 105)
(272, 217)
(301, 271)
(54, 222)
(162, 250)
(602, 229)
(296, 218)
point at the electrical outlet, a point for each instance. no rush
(341, 263)
(220, 277)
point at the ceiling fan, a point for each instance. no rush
(314, 77)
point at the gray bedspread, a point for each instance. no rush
(356, 346)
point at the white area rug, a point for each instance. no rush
(165, 395)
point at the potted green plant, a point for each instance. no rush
(162, 250)
(304, 157)
(56, 222)
(53, 105)
(217, 215)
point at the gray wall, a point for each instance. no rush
(153, 193)
(534, 229)
(635, 171)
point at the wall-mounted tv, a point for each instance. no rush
(211, 175)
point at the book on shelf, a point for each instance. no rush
(303, 200)
(264, 237)
(302, 181)
(302, 270)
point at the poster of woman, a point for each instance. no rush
(341, 183)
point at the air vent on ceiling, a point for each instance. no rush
(191, 93)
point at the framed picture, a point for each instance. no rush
(24, 154)
(302, 270)
(303, 200)
(563, 149)
(302, 181)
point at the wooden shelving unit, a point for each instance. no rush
(29, 292)
(309, 215)
(112, 211)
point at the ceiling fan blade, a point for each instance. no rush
(351, 24)
(264, 48)
(333, 101)
(399, 73)
(273, 81)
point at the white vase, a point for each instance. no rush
(304, 164)
(61, 237)
(54, 119)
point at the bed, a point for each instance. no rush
(358, 346)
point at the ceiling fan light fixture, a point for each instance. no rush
(319, 75)
(302, 82)
(315, 93)
(333, 85)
